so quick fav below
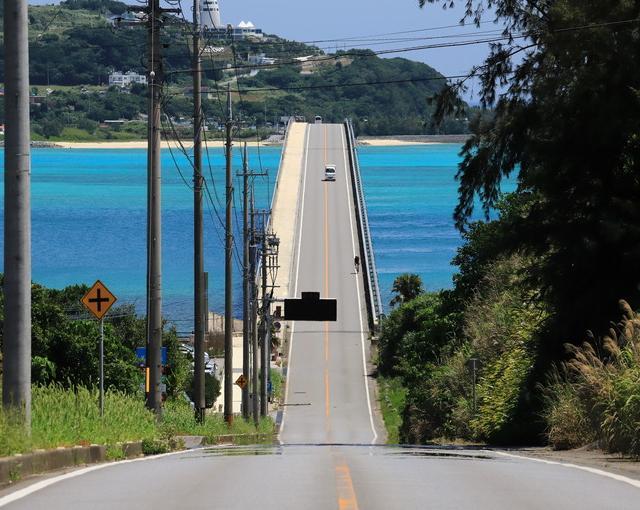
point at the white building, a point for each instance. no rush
(210, 15)
(247, 29)
(126, 79)
(260, 60)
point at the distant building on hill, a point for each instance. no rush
(245, 30)
(212, 24)
(260, 60)
(126, 79)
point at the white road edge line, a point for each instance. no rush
(595, 471)
(353, 246)
(295, 291)
(38, 486)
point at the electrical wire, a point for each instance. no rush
(453, 44)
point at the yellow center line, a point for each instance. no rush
(325, 145)
(346, 494)
(327, 400)
(327, 404)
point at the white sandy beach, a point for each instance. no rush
(143, 145)
(393, 143)
(218, 143)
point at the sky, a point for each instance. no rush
(306, 20)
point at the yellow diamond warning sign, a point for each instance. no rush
(241, 381)
(98, 300)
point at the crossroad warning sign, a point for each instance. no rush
(98, 300)
(241, 381)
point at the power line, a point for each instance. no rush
(355, 84)
(453, 44)
(363, 54)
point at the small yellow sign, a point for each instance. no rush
(241, 381)
(98, 300)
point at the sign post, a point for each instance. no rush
(474, 364)
(98, 301)
(241, 381)
(101, 367)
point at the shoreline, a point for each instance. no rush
(404, 140)
(142, 144)
(373, 141)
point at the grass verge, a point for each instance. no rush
(66, 417)
(277, 385)
(178, 419)
(392, 400)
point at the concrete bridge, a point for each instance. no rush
(322, 226)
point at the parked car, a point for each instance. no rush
(187, 350)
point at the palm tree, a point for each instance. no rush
(406, 287)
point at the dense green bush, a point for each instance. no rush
(414, 334)
(440, 405)
(211, 390)
(65, 343)
(430, 350)
(501, 324)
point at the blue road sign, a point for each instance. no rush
(141, 354)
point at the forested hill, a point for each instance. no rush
(74, 47)
(383, 96)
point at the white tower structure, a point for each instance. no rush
(210, 15)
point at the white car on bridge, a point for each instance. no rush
(330, 172)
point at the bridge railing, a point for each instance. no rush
(367, 255)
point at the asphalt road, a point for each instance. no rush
(328, 400)
(328, 458)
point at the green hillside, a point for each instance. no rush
(75, 46)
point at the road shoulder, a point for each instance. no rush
(587, 457)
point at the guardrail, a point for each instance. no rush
(372, 289)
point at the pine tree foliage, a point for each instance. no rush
(564, 87)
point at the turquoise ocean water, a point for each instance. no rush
(411, 192)
(89, 219)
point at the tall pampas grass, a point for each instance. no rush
(595, 395)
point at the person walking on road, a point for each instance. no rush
(356, 263)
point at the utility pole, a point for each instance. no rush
(245, 282)
(228, 268)
(247, 290)
(16, 388)
(205, 290)
(198, 252)
(254, 317)
(154, 239)
(264, 366)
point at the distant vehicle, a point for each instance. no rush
(318, 119)
(187, 350)
(210, 368)
(330, 172)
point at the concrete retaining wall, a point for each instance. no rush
(23, 465)
(18, 467)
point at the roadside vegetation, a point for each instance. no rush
(540, 279)
(393, 396)
(71, 417)
(65, 377)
